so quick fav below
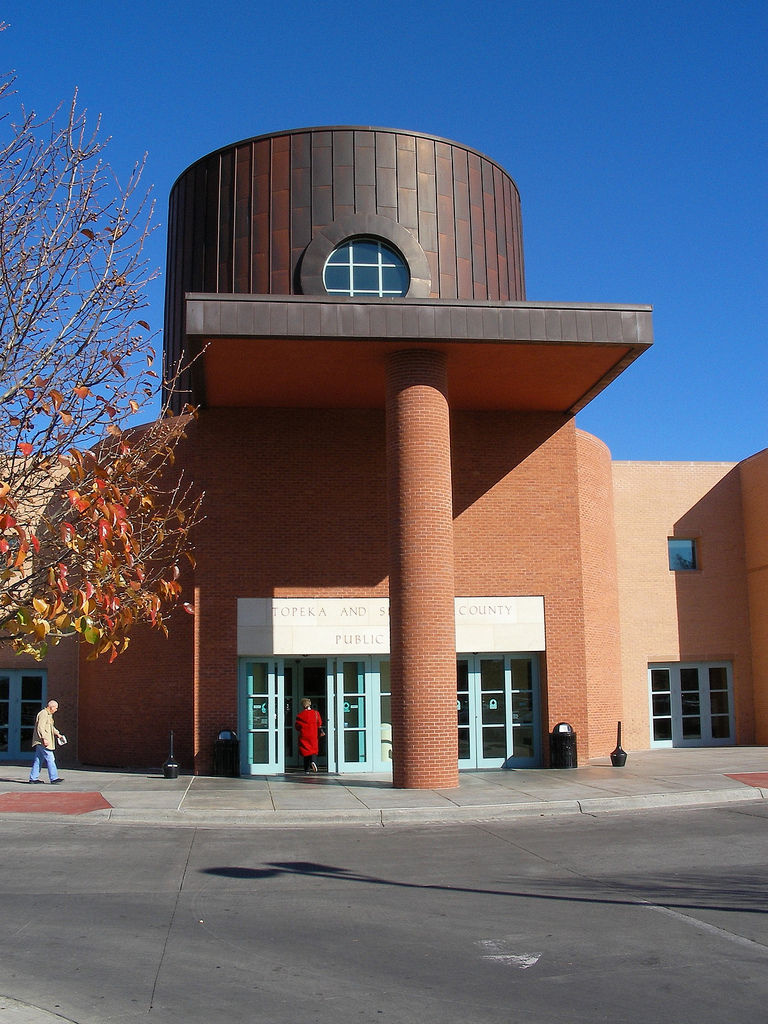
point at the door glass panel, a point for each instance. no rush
(691, 703)
(691, 728)
(259, 714)
(662, 729)
(689, 679)
(662, 704)
(354, 677)
(462, 709)
(354, 717)
(721, 727)
(660, 679)
(495, 742)
(259, 748)
(718, 678)
(257, 678)
(354, 747)
(491, 675)
(523, 739)
(354, 711)
(289, 732)
(494, 710)
(718, 703)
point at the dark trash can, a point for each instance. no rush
(562, 746)
(226, 755)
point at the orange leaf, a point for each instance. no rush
(25, 448)
(82, 391)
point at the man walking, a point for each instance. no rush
(44, 742)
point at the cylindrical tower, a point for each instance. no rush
(261, 217)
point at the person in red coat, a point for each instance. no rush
(309, 726)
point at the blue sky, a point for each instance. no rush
(636, 133)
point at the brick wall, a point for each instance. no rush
(602, 642)
(296, 505)
(753, 474)
(517, 514)
(692, 616)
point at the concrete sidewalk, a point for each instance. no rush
(650, 779)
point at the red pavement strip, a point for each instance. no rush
(758, 779)
(53, 803)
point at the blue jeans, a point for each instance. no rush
(43, 754)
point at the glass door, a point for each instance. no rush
(353, 716)
(497, 705)
(22, 695)
(262, 728)
(691, 705)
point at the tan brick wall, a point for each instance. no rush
(754, 496)
(667, 616)
(601, 593)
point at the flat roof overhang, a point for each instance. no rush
(317, 352)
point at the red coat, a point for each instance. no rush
(308, 725)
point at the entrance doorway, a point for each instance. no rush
(497, 702)
(304, 677)
(691, 704)
(351, 695)
(497, 699)
(22, 694)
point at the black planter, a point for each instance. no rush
(618, 756)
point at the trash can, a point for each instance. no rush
(562, 746)
(226, 755)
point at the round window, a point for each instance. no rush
(366, 266)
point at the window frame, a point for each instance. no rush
(353, 264)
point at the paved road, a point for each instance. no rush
(636, 919)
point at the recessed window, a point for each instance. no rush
(366, 266)
(683, 556)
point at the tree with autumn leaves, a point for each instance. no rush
(93, 518)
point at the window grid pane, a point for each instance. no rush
(365, 267)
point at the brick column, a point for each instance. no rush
(421, 587)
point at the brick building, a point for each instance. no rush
(402, 521)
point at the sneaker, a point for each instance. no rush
(314, 767)
(36, 782)
(55, 782)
